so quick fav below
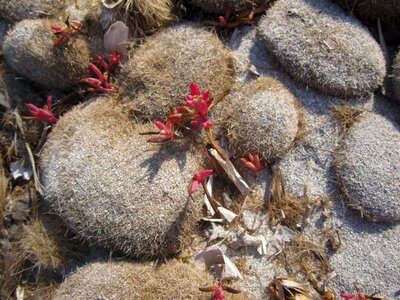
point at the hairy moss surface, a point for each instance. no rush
(322, 47)
(115, 189)
(159, 73)
(29, 50)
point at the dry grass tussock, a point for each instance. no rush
(346, 115)
(303, 258)
(148, 15)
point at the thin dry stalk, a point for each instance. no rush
(283, 208)
(4, 189)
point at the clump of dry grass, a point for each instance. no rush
(147, 15)
(158, 74)
(29, 50)
(346, 115)
(141, 16)
(39, 247)
(283, 208)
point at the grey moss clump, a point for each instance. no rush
(262, 117)
(319, 45)
(16, 11)
(158, 74)
(367, 167)
(396, 76)
(115, 189)
(123, 280)
(29, 50)
(220, 6)
(372, 9)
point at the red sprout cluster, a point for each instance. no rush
(100, 84)
(64, 32)
(195, 111)
(41, 114)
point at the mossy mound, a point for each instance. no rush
(115, 189)
(173, 280)
(367, 167)
(15, 11)
(262, 117)
(396, 76)
(372, 9)
(321, 46)
(159, 73)
(220, 6)
(29, 50)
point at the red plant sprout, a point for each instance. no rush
(224, 19)
(100, 84)
(167, 130)
(41, 114)
(199, 178)
(113, 60)
(357, 296)
(199, 103)
(63, 33)
(253, 163)
(218, 291)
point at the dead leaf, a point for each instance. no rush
(214, 258)
(232, 173)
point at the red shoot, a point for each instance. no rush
(63, 33)
(218, 291)
(224, 19)
(114, 59)
(199, 178)
(358, 296)
(41, 114)
(100, 84)
(253, 163)
(199, 101)
(166, 130)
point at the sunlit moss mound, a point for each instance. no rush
(15, 11)
(220, 6)
(318, 44)
(115, 189)
(173, 280)
(367, 167)
(372, 9)
(159, 73)
(262, 118)
(396, 76)
(29, 50)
